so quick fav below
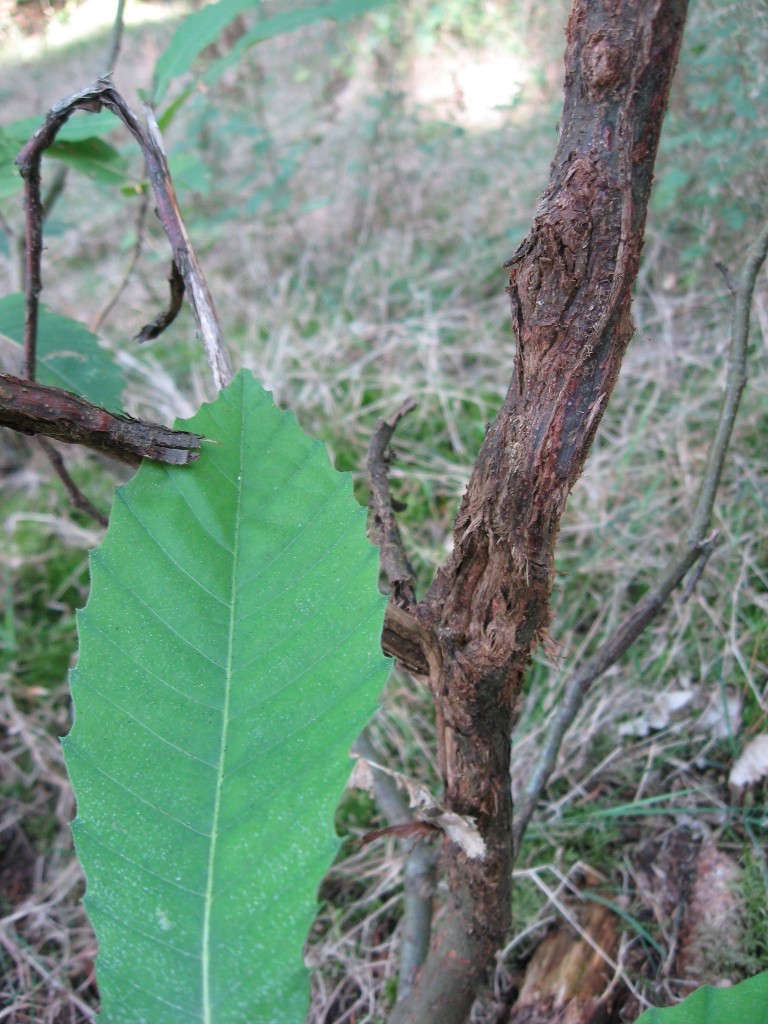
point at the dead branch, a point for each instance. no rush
(103, 94)
(403, 636)
(393, 559)
(32, 408)
(156, 327)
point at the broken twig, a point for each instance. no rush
(392, 556)
(32, 408)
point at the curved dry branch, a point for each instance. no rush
(103, 94)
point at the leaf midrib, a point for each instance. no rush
(208, 899)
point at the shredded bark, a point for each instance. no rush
(570, 293)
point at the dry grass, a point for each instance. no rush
(381, 279)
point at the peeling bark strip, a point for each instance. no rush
(570, 294)
(32, 408)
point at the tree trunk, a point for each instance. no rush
(570, 294)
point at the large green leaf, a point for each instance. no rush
(229, 655)
(69, 356)
(205, 26)
(746, 1003)
(288, 21)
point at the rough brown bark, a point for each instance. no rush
(570, 294)
(33, 408)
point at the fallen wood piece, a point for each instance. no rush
(567, 981)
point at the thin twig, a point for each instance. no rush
(731, 285)
(33, 249)
(183, 253)
(420, 872)
(392, 556)
(141, 220)
(116, 39)
(79, 500)
(698, 570)
(694, 548)
(52, 194)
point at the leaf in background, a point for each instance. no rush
(189, 173)
(94, 158)
(746, 1002)
(196, 31)
(229, 656)
(288, 21)
(11, 180)
(78, 144)
(668, 187)
(205, 26)
(76, 129)
(68, 355)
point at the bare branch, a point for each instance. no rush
(183, 253)
(79, 500)
(33, 408)
(420, 870)
(692, 553)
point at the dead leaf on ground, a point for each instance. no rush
(752, 765)
(714, 926)
(664, 707)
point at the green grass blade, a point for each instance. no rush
(229, 656)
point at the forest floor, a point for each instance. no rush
(353, 195)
